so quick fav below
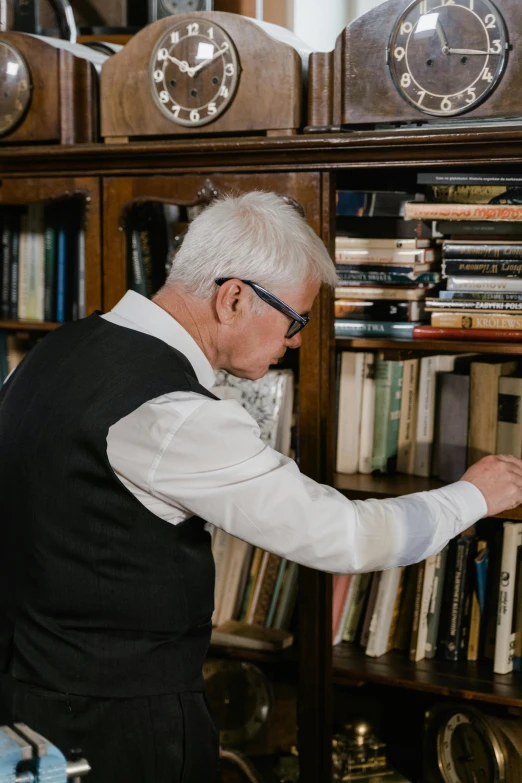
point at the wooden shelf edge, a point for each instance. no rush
(23, 326)
(466, 680)
(438, 346)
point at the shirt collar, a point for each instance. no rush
(150, 318)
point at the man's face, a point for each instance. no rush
(259, 340)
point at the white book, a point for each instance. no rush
(408, 416)
(383, 612)
(429, 367)
(349, 411)
(484, 283)
(234, 568)
(505, 636)
(220, 551)
(427, 590)
(367, 414)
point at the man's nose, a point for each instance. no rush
(295, 341)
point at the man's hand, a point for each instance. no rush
(499, 478)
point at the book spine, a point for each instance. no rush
(351, 309)
(361, 586)
(275, 595)
(475, 228)
(493, 335)
(475, 321)
(408, 417)
(374, 329)
(484, 283)
(357, 243)
(435, 604)
(388, 277)
(434, 305)
(455, 267)
(5, 265)
(392, 439)
(425, 415)
(368, 292)
(50, 272)
(418, 210)
(286, 603)
(82, 306)
(417, 610)
(60, 275)
(487, 250)
(382, 256)
(367, 415)
(509, 418)
(23, 268)
(479, 296)
(383, 384)
(137, 271)
(505, 638)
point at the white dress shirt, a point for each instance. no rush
(184, 454)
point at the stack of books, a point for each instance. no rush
(384, 282)
(463, 603)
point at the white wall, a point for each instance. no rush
(319, 22)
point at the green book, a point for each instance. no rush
(388, 384)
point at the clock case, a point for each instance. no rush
(353, 86)
(128, 109)
(63, 107)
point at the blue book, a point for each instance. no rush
(481, 566)
(60, 275)
(394, 329)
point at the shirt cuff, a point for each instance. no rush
(469, 500)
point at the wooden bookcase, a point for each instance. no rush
(308, 168)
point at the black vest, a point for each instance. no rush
(98, 596)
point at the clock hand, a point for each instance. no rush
(442, 38)
(182, 64)
(466, 51)
(193, 71)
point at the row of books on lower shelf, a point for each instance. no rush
(42, 261)
(464, 603)
(426, 415)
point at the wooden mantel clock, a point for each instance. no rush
(201, 73)
(47, 93)
(421, 61)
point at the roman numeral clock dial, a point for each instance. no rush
(446, 56)
(194, 72)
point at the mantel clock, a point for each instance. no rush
(198, 73)
(47, 93)
(422, 61)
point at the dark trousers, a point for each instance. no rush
(154, 739)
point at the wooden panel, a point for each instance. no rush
(128, 108)
(463, 680)
(30, 191)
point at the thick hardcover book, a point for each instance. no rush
(459, 266)
(454, 627)
(465, 194)
(388, 276)
(484, 305)
(381, 255)
(506, 615)
(379, 310)
(483, 405)
(371, 293)
(349, 411)
(418, 210)
(484, 283)
(452, 430)
(408, 416)
(491, 335)
(473, 320)
(476, 250)
(393, 329)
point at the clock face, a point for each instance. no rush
(15, 87)
(194, 72)
(446, 56)
(467, 751)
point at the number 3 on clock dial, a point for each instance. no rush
(446, 56)
(194, 72)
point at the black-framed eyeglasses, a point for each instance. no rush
(298, 321)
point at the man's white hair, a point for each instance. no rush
(256, 236)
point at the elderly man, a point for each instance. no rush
(114, 454)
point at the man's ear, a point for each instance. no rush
(230, 300)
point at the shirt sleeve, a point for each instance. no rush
(213, 464)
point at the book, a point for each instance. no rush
(416, 210)
(379, 310)
(340, 589)
(388, 387)
(5, 264)
(424, 434)
(388, 276)
(251, 637)
(465, 194)
(483, 405)
(402, 636)
(408, 416)
(506, 177)
(477, 249)
(425, 580)
(423, 332)
(288, 595)
(479, 296)
(370, 605)
(454, 267)
(484, 283)
(482, 305)
(370, 293)
(386, 243)
(381, 227)
(361, 585)
(509, 419)
(506, 615)
(367, 415)
(435, 603)
(474, 320)
(349, 411)
(473, 228)
(394, 329)
(475, 614)
(456, 606)
(452, 432)
(266, 588)
(379, 637)
(382, 256)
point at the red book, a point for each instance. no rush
(440, 333)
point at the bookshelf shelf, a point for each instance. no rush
(463, 680)
(360, 486)
(23, 326)
(435, 346)
(288, 656)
